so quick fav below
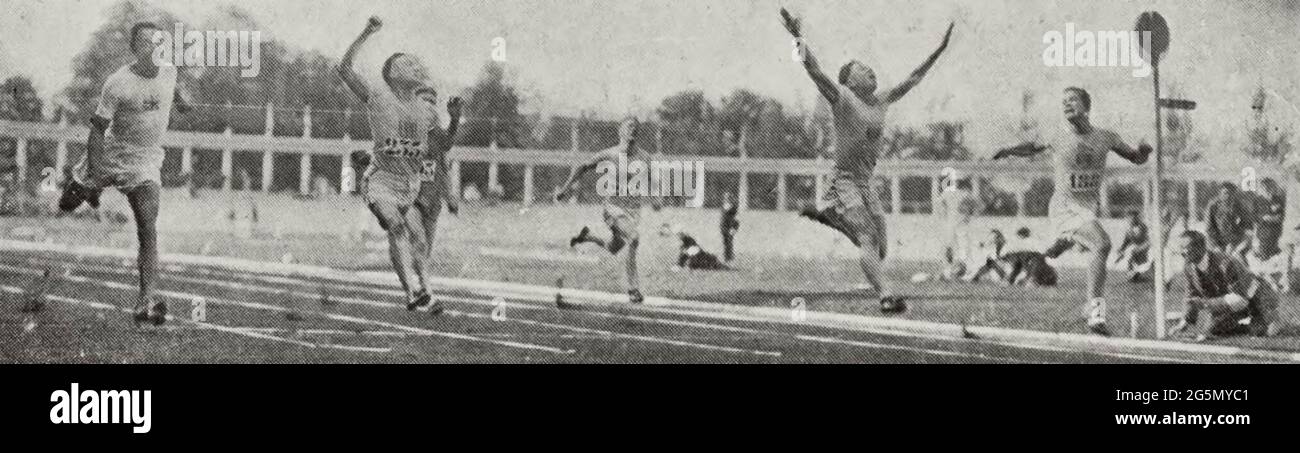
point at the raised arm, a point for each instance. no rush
(899, 91)
(453, 113)
(348, 74)
(577, 173)
(824, 84)
(1022, 150)
(454, 106)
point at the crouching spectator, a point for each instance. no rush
(1028, 266)
(1221, 293)
(691, 256)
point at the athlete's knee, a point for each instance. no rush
(390, 218)
(395, 225)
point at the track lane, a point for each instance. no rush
(796, 341)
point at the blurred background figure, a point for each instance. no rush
(1227, 219)
(957, 206)
(1268, 263)
(989, 257)
(1134, 252)
(728, 226)
(691, 256)
(1029, 267)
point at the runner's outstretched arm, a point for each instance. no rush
(898, 92)
(1137, 156)
(608, 155)
(824, 83)
(573, 177)
(1021, 150)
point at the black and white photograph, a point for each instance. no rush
(951, 182)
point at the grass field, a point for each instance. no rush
(780, 258)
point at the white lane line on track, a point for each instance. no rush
(820, 339)
(816, 338)
(336, 317)
(741, 318)
(599, 332)
(373, 304)
(721, 316)
(891, 333)
(208, 326)
(811, 338)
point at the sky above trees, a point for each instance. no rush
(611, 58)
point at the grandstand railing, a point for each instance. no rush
(923, 178)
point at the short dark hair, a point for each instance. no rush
(1083, 96)
(135, 30)
(1229, 186)
(845, 71)
(388, 67)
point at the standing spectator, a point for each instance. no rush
(1269, 205)
(728, 226)
(1227, 220)
(1290, 229)
(1221, 287)
(1175, 221)
(957, 206)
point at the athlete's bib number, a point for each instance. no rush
(401, 148)
(429, 170)
(1085, 182)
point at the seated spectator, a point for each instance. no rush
(1134, 251)
(1222, 289)
(1267, 262)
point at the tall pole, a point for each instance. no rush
(1154, 42)
(1157, 192)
